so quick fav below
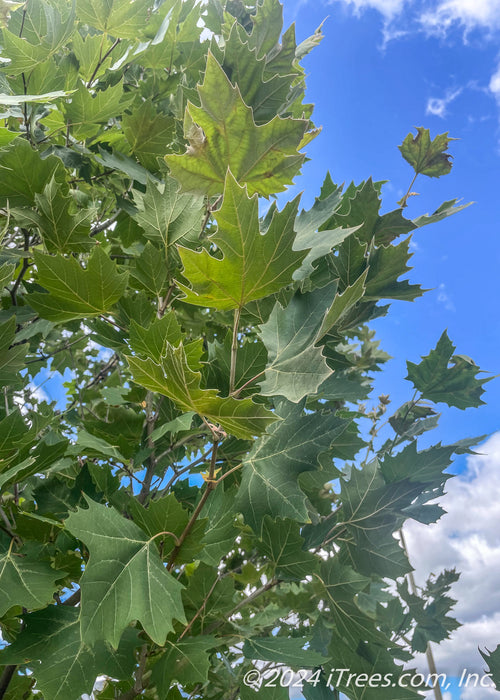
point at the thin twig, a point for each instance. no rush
(101, 61)
(211, 484)
(234, 349)
(200, 609)
(105, 224)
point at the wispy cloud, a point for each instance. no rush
(438, 106)
(441, 17)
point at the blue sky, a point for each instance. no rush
(384, 67)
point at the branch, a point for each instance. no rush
(6, 678)
(249, 599)
(234, 349)
(211, 484)
(151, 419)
(24, 268)
(105, 224)
(101, 61)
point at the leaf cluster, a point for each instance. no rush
(191, 481)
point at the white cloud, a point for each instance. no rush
(472, 693)
(438, 106)
(494, 85)
(470, 14)
(467, 538)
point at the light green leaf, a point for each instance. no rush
(23, 173)
(124, 579)
(295, 366)
(63, 228)
(240, 276)
(75, 292)
(86, 109)
(166, 216)
(68, 667)
(222, 134)
(12, 100)
(444, 377)
(174, 378)
(123, 20)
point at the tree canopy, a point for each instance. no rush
(206, 497)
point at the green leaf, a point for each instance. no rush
(63, 229)
(166, 515)
(444, 377)
(123, 20)
(13, 100)
(282, 544)
(220, 532)
(387, 263)
(264, 693)
(68, 667)
(250, 363)
(25, 582)
(295, 366)
(312, 234)
(336, 318)
(266, 160)
(425, 156)
(149, 134)
(371, 512)
(150, 271)
(492, 658)
(240, 277)
(75, 292)
(266, 97)
(124, 579)
(270, 471)
(45, 28)
(425, 467)
(86, 109)
(23, 173)
(341, 585)
(166, 216)
(173, 377)
(442, 212)
(151, 341)
(186, 661)
(11, 358)
(285, 650)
